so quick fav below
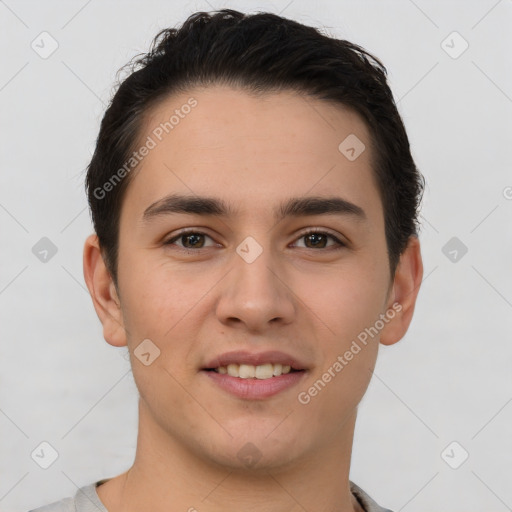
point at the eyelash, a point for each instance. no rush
(340, 244)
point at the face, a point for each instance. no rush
(257, 276)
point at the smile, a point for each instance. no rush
(254, 376)
(248, 371)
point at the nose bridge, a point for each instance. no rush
(252, 293)
(252, 264)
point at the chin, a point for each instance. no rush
(257, 451)
(252, 460)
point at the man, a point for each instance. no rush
(254, 202)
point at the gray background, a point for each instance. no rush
(448, 380)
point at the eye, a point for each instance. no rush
(318, 239)
(315, 239)
(190, 239)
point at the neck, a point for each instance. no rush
(165, 473)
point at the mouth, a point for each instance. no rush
(248, 371)
(251, 376)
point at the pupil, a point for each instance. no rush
(192, 237)
(314, 238)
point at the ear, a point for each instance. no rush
(103, 293)
(406, 285)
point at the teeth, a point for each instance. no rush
(265, 371)
(247, 371)
(233, 370)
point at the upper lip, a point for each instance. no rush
(254, 359)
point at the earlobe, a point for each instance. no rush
(405, 289)
(103, 293)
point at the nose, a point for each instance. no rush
(255, 294)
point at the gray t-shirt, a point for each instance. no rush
(86, 499)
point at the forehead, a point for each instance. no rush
(252, 151)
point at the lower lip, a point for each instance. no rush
(255, 389)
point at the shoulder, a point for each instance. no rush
(86, 499)
(365, 500)
(64, 505)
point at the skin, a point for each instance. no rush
(308, 301)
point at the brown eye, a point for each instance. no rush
(193, 239)
(319, 240)
(189, 240)
(316, 239)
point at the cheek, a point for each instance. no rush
(348, 304)
(346, 301)
(159, 309)
(338, 384)
(162, 305)
(157, 298)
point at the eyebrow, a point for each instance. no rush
(293, 207)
